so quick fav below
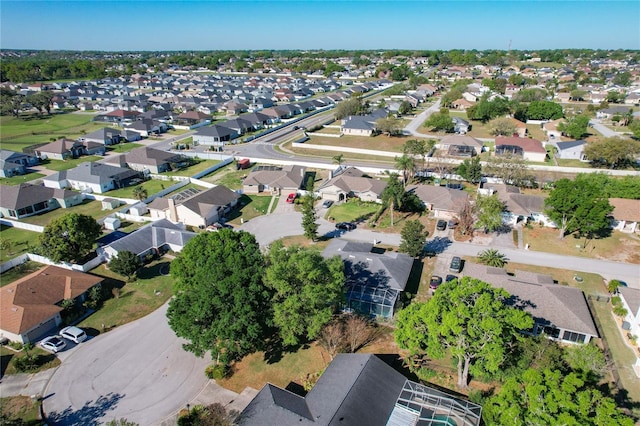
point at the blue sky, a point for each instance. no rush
(220, 25)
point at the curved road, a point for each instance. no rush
(138, 371)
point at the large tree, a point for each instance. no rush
(440, 121)
(393, 194)
(307, 290)
(413, 237)
(489, 210)
(487, 109)
(125, 263)
(544, 110)
(389, 125)
(220, 303)
(551, 397)
(469, 319)
(575, 127)
(502, 126)
(70, 237)
(512, 169)
(612, 152)
(470, 170)
(407, 165)
(578, 206)
(416, 147)
(349, 107)
(309, 215)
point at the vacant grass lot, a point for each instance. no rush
(378, 143)
(148, 292)
(152, 186)
(227, 176)
(21, 241)
(122, 148)
(91, 208)
(17, 180)
(618, 247)
(192, 170)
(18, 133)
(352, 211)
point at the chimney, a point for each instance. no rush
(173, 212)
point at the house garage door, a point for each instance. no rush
(42, 330)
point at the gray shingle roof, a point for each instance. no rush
(153, 235)
(632, 297)
(19, 196)
(96, 173)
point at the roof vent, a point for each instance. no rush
(14, 309)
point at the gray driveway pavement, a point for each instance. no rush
(138, 371)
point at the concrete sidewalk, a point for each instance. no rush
(25, 384)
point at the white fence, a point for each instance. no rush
(345, 149)
(22, 225)
(327, 166)
(327, 135)
(46, 261)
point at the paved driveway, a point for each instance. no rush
(138, 371)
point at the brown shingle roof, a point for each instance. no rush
(527, 145)
(624, 209)
(31, 300)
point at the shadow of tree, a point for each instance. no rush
(437, 245)
(89, 415)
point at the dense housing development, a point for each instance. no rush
(295, 212)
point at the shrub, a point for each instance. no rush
(216, 371)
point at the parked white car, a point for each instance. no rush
(53, 343)
(75, 334)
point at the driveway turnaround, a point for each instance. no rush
(138, 371)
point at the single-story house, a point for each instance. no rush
(551, 129)
(92, 177)
(15, 162)
(529, 149)
(24, 200)
(147, 126)
(351, 182)
(460, 145)
(571, 150)
(201, 209)
(518, 207)
(61, 149)
(191, 118)
(443, 202)
(153, 238)
(374, 281)
(608, 113)
(560, 312)
(105, 136)
(626, 214)
(362, 125)
(150, 160)
(630, 298)
(356, 390)
(118, 116)
(30, 307)
(460, 125)
(215, 135)
(275, 179)
(461, 104)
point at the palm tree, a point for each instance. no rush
(407, 165)
(140, 193)
(338, 159)
(492, 257)
(393, 194)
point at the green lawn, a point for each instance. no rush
(121, 148)
(60, 165)
(22, 408)
(152, 186)
(352, 211)
(17, 180)
(18, 133)
(252, 207)
(92, 208)
(572, 163)
(227, 176)
(195, 168)
(21, 241)
(7, 357)
(148, 292)
(19, 271)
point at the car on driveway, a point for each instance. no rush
(292, 197)
(346, 226)
(441, 225)
(452, 224)
(327, 204)
(456, 264)
(75, 334)
(53, 343)
(450, 277)
(435, 282)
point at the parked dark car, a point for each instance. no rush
(327, 204)
(450, 277)
(435, 282)
(456, 264)
(346, 226)
(441, 225)
(452, 224)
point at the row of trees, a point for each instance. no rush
(12, 103)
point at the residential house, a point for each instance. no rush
(630, 298)
(215, 136)
(518, 207)
(350, 182)
(152, 239)
(15, 163)
(529, 149)
(274, 179)
(461, 104)
(201, 209)
(61, 149)
(625, 215)
(105, 136)
(118, 116)
(560, 312)
(362, 125)
(551, 129)
(355, 390)
(443, 202)
(92, 178)
(150, 160)
(30, 307)
(460, 125)
(24, 200)
(146, 127)
(608, 113)
(461, 146)
(571, 150)
(374, 281)
(192, 118)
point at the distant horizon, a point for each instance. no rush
(156, 26)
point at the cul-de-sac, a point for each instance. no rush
(319, 237)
